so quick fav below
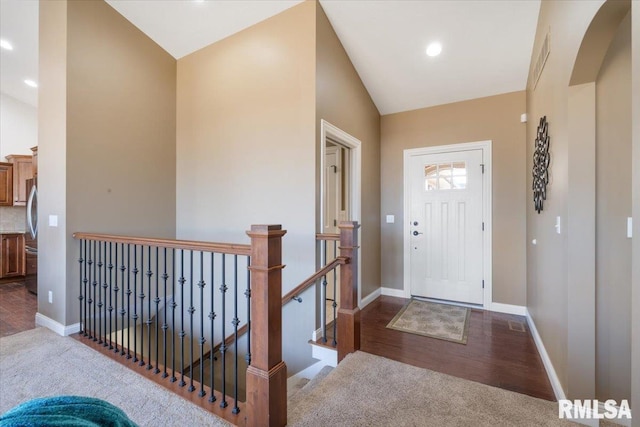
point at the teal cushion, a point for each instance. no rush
(66, 411)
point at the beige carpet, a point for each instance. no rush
(364, 390)
(442, 321)
(40, 363)
(367, 390)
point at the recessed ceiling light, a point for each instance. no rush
(5, 44)
(30, 83)
(434, 49)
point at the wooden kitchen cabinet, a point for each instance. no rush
(22, 170)
(12, 254)
(6, 184)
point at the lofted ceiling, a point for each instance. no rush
(486, 43)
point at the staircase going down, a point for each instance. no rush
(369, 390)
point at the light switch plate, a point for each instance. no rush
(558, 225)
(391, 219)
(629, 227)
(53, 220)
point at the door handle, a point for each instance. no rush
(415, 233)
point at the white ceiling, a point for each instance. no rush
(486, 43)
(486, 48)
(184, 26)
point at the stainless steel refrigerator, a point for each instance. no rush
(31, 237)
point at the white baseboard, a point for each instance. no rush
(546, 360)
(58, 328)
(316, 334)
(391, 292)
(519, 310)
(369, 298)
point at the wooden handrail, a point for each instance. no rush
(312, 279)
(298, 289)
(328, 236)
(194, 245)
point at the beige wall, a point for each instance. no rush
(110, 165)
(635, 282)
(18, 126)
(246, 149)
(613, 206)
(495, 118)
(547, 261)
(52, 158)
(561, 302)
(343, 101)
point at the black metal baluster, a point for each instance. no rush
(123, 268)
(110, 266)
(201, 285)
(157, 301)
(86, 296)
(223, 345)
(89, 286)
(104, 291)
(323, 295)
(104, 286)
(81, 296)
(235, 323)
(247, 293)
(141, 296)
(135, 303)
(115, 297)
(212, 317)
(335, 296)
(182, 333)
(165, 276)
(191, 311)
(173, 316)
(100, 304)
(324, 311)
(129, 301)
(94, 284)
(149, 321)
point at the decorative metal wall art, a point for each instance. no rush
(541, 160)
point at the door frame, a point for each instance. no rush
(327, 130)
(485, 146)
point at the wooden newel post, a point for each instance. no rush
(348, 312)
(267, 374)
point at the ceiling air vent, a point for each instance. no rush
(542, 59)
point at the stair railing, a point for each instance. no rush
(346, 321)
(159, 305)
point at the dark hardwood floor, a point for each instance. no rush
(17, 308)
(496, 353)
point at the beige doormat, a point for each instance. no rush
(430, 319)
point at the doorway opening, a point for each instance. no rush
(340, 199)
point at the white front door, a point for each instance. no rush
(446, 225)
